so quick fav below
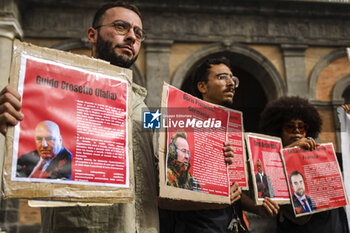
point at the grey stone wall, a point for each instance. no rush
(262, 22)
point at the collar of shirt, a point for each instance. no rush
(301, 200)
(46, 164)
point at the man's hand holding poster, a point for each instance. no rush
(267, 168)
(314, 179)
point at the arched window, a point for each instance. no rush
(346, 95)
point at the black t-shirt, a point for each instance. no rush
(200, 221)
(332, 221)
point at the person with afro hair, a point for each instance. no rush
(298, 123)
(282, 113)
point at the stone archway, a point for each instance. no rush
(339, 89)
(259, 80)
(320, 66)
(82, 43)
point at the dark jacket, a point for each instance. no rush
(59, 168)
(299, 208)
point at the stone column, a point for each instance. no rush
(294, 64)
(9, 29)
(157, 69)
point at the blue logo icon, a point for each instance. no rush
(151, 120)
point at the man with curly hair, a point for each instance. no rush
(215, 83)
(297, 122)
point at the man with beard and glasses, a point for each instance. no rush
(116, 35)
(215, 83)
(120, 52)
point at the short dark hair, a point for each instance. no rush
(281, 111)
(295, 173)
(202, 71)
(100, 12)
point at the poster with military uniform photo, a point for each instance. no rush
(192, 169)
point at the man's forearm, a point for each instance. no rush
(268, 207)
(249, 205)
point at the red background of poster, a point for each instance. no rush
(42, 102)
(235, 136)
(178, 103)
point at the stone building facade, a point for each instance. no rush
(276, 48)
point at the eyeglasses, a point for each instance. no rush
(42, 138)
(291, 127)
(228, 77)
(122, 28)
(184, 151)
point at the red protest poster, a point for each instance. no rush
(267, 168)
(237, 170)
(75, 126)
(315, 181)
(196, 132)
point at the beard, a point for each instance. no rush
(105, 51)
(300, 192)
(227, 103)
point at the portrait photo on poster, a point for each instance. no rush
(302, 203)
(50, 160)
(263, 182)
(178, 163)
